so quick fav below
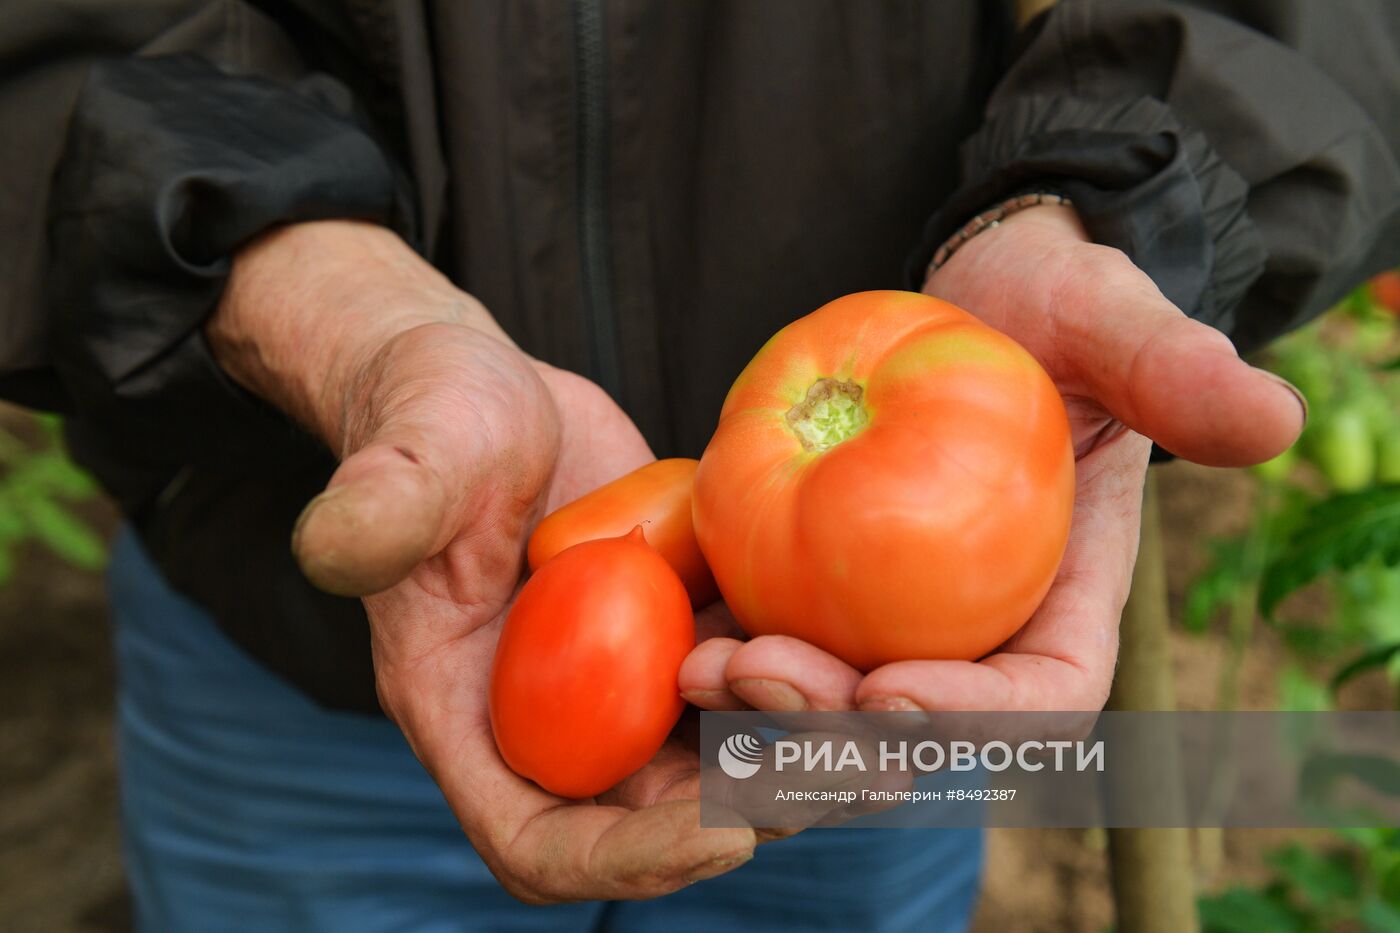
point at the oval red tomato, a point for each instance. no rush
(583, 686)
(657, 497)
(890, 479)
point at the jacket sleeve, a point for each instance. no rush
(1245, 153)
(162, 158)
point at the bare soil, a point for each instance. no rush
(60, 868)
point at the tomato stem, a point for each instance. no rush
(831, 413)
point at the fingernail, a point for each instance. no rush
(306, 513)
(704, 698)
(718, 867)
(911, 710)
(771, 695)
(1297, 393)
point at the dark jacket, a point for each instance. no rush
(640, 190)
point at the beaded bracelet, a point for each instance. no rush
(988, 219)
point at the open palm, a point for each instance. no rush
(1130, 366)
(458, 444)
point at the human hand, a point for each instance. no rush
(452, 443)
(1130, 366)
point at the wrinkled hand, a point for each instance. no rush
(1130, 366)
(453, 443)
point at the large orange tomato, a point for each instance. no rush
(583, 686)
(890, 479)
(657, 497)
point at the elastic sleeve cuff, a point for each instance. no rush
(170, 166)
(1140, 182)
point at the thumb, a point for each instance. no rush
(381, 515)
(460, 439)
(1181, 383)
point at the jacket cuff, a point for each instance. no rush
(1140, 181)
(170, 165)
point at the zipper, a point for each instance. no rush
(594, 231)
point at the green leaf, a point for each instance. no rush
(1367, 604)
(1387, 872)
(1358, 301)
(1217, 584)
(64, 533)
(52, 425)
(1336, 534)
(1242, 910)
(54, 472)
(1313, 639)
(1368, 661)
(1365, 837)
(1322, 880)
(11, 521)
(1297, 692)
(1379, 917)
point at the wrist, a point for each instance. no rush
(989, 220)
(307, 306)
(1053, 222)
(1061, 217)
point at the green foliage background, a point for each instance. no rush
(39, 489)
(1326, 515)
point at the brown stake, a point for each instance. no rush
(1153, 886)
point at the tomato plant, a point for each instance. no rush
(1351, 884)
(656, 496)
(1328, 513)
(890, 479)
(583, 687)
